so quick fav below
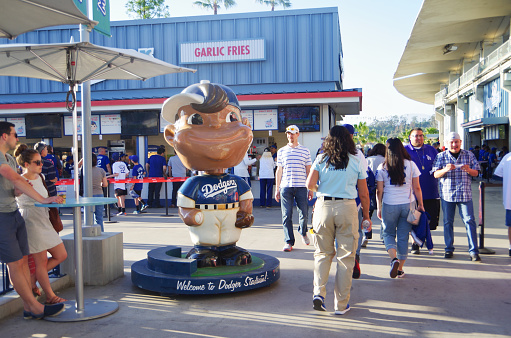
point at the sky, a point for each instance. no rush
(373, 35)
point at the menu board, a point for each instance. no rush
(265, 119)
(68, 125)
(249, 114)
(19, 125)
(111, 124)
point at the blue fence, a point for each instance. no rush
(6, 283)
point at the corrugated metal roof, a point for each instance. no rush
(302, 54)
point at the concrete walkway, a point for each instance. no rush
(437, 297)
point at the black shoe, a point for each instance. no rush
(234, 256)
(206, 258)
(356, 268)
(416, 249)
(49, 311)
(509, 252)
(448, 254)
(394, 265)
(475, 258)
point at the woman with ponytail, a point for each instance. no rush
(335, 176)
(397, 185)
(42, 238)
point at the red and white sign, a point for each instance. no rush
(222, 51)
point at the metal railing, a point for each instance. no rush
(488, 62)
(6, 283)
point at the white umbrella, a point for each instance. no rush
(73, 64)
(76, 62)
(21, 16)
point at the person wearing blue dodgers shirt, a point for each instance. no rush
(424, 155)
(362, 237)
(454, 169)
(137, 172)
(103, 161)
(156, 166)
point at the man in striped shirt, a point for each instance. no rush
(293, 166)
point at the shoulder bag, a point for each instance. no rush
(414, 215)
(53, 213)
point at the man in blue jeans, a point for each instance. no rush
(293, 166)
(454, 169)
(156, 166)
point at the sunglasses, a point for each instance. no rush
(37, 162)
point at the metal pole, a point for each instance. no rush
(166, 202)
(77, 223)
(86, 137)
(482, 249)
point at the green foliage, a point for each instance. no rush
(395, 126)
(147, 9)
(215, 4)
(273, 3)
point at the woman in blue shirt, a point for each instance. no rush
(335, 222)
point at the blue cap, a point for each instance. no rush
(134, 158)
(350, 128)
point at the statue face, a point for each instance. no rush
(209, 141)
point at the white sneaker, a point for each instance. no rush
(339, 312)
(364, 242)
(288, 247)
(306, 240)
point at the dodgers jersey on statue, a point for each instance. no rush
(213, 189)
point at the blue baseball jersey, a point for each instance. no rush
(102, 162)
(215, 189)
(138, 172)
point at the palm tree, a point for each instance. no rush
(273, 3)
(214, 4)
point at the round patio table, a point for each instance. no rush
(89, 308)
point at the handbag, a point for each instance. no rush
(53, 213)
(414, 215)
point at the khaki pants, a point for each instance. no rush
(335, 223)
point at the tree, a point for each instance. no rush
(273, 3)
(214, 4)
(147, 9)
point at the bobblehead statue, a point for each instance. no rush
(208, 134)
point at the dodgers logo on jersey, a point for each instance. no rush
(211, 190)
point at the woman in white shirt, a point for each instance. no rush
(376, 156)
(266, 178)
(42, 237)
(397, 180)
(241, 169)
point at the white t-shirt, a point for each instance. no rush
(241, 169)
(504, 170)
(120, 168)
(266, 165)
(394, 194)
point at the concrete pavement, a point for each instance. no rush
(437, 297)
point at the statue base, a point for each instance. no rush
(167, 272)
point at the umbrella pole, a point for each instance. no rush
(77, 217)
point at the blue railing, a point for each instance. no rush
(6, 283)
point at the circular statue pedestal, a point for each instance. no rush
(166, 272)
